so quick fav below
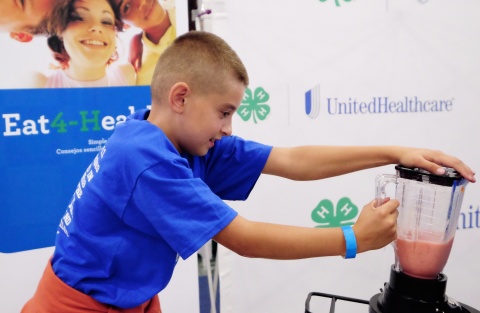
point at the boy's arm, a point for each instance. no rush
(317, 162)
(375, 228)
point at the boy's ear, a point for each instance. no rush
(21, 36)
(178, 93)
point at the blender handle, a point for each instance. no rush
(381, 182)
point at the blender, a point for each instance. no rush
(428, 215)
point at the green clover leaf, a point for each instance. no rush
(326, 215)
(254, 105)
(337, 2)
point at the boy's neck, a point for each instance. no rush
(156, 32)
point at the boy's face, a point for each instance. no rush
(141, 13)
(208, 118)
(21, 15)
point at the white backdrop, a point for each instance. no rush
(351, 51)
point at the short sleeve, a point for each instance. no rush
(181, 209)
(233, 167)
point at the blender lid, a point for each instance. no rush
(418, 174)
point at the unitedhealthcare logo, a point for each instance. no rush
(312, 102)
(469, 219)
(373, 105)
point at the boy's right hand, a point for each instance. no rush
(376, 227)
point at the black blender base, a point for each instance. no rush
(444, 307)
(406, 294)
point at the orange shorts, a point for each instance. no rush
(54, 296)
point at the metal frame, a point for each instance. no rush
(332, 303)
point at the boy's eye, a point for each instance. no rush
(226, 114)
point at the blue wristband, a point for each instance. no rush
(350, 242)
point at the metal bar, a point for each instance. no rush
(332, 303)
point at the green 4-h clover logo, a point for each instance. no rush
(326, 215)
(337, 2)
(254, 105)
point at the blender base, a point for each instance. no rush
(407, 294)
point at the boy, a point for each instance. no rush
(155, 191)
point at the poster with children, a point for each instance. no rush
(62, 91)
(71, 70)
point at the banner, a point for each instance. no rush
(50, 132)
(333, 72)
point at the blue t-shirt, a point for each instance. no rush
(141, 204)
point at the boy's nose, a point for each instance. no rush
(227, 129)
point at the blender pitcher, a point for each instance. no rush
(428, 215)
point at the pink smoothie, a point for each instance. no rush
(422, 259)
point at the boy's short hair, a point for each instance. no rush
(202, 60)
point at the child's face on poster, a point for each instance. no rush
(21, 15)
(90, 34)
(141, 13)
